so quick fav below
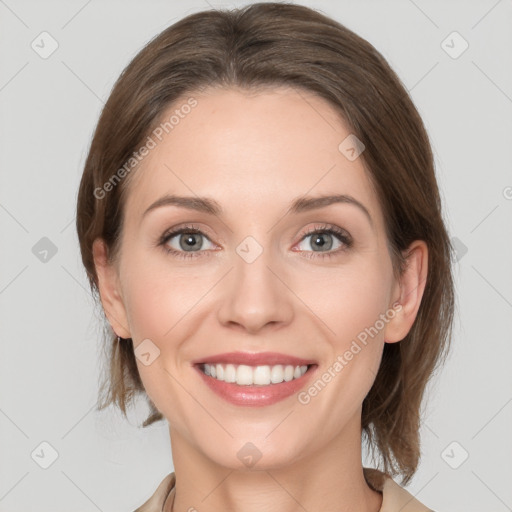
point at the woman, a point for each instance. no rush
(260, 217)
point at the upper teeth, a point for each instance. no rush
(244, 375)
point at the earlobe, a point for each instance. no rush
(108, 282)
(410, 289)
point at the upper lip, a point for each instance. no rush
(254, 359)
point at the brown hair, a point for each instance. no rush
(283, 44)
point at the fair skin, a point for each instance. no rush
(254, 154)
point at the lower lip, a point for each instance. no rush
(255, 395)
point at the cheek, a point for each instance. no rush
(159, 304)
(158, 297)
(351, 306)
(350, 299)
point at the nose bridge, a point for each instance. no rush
(255, 295)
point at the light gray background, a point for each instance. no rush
(49, 359)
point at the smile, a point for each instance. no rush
(255, 386)
(245, 375)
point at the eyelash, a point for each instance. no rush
(330, 229)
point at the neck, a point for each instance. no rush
(329, 479)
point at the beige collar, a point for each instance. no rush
(394, 497)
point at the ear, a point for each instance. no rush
(409, 292)
(108, 284)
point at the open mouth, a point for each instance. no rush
(245, 375)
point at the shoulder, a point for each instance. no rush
(394, 497)
(156, 501)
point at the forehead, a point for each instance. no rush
(250, 151)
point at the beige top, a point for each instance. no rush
(394, 497)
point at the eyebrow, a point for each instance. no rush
(298, 205)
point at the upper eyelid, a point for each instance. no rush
(179, 229)
(326, 227)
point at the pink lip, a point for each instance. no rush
(255, 395)
(254, 359)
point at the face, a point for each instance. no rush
(242, 267)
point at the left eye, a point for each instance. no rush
(323, 241)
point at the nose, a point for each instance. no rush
(256, 295)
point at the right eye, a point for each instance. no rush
(189, 241)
